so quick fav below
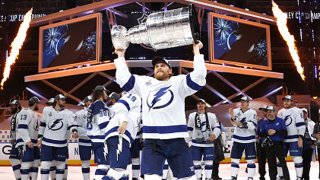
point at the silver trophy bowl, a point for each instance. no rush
(161, 30)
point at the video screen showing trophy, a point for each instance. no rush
(161, 30)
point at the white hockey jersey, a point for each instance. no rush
(81, 120)
(245, 135)
(200, 131)
(99, 116)
(293, 118)
(28, 126)
(126, 109)
(55, 127)
(163, 102)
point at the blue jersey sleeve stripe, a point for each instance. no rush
(103, 125)
(130, 84)
(125, 103)
(253, 123)
(22, 126)
(190, 128)
(164, 129)
(193, 85)
(300, 124)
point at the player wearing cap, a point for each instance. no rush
(293, 118)
(14, 153)
(98, 118)
(27, 134)
(308, 144)
(84, 143)
(120, 134)
(203, 128)
(244, 137)
(274, 130)
(53, 136)
(163, 112)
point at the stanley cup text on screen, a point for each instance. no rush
(161, 30)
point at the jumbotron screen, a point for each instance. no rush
(70, 43)
(239, 42)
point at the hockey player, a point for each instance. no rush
(27, 134)
(85, 147)
(293, 142)
(98, 118)
(163, 112)
(14, 153)
(54, 129)
(120, 134)
(203, 128)
(244, 137)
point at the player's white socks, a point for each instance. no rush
(61, 165)
(53, 169)
(197, 168)
(208, 168)
(165, 170)
(45, 169)
(25, 170)
(152, 177)
(85, 170)
(35, 169)
(65, 175)
(251, 168)
(298, 164)
(135, 167)
(234, 167)
(15, 163)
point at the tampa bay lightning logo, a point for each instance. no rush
(55, 125)
(162, 98)
(288, 120)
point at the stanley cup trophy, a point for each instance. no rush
(161, 30)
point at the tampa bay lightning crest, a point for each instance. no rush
(55, 125)
(288, 120)
(160, 99)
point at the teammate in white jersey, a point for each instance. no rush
(14, 153)
(98, 118)
(244, 137)
(55, 127)
(27, 134)
(120, 134)
(203, 128)
(85, 147)
(293, 142)
(163, 112)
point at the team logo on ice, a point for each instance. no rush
(55, 125)
(160, 99)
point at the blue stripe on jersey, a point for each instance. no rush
(164, 129)
(115, 129)
(193, 85)
(243, 138)
(125, 103)
(54, 141)
(253, 123)
(130, 84)
(97, 137)
(291, 137)
(190, 128)
(84, 140)
(103, 125)
(43, 124)
(300, 124)
(22, 126)
(194, 141)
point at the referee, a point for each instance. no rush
(274, 130)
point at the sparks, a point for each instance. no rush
(16, 45)
(289, 38)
